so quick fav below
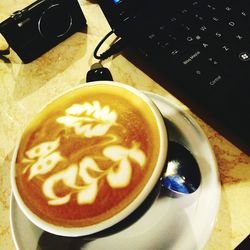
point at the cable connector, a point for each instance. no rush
(98, 73)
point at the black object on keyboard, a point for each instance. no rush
(202, 47)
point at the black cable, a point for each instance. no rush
(114, 48)
(3, 54)
(101, 43)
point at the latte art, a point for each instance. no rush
(89, 120)
(86, 156)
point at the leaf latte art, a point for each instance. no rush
(86, 156)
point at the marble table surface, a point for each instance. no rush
(25, 88)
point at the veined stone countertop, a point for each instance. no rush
(25, 88)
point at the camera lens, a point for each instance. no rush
(54, 22)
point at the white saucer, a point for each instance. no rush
(170, 223)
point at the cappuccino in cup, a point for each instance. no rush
(89, 158)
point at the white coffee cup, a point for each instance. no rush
(24, 161)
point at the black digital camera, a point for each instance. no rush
(34, 30)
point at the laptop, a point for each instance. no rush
(199, 50)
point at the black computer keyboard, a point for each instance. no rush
(207, 38)
(203, 49)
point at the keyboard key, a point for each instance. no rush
(244, 56)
